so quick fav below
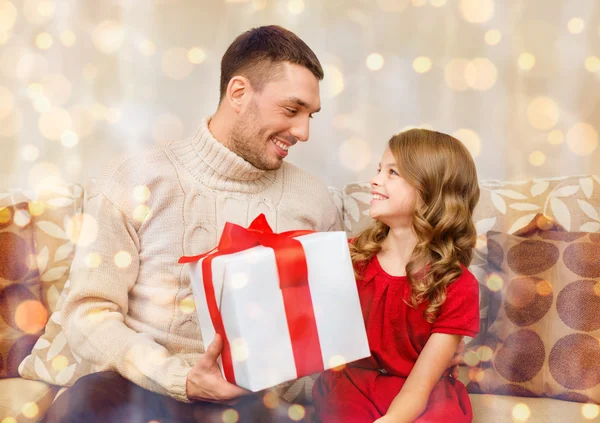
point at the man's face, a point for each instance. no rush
(277, 117)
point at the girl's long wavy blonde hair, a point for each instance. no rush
(442, 171)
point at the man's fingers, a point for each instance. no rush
(214, 349)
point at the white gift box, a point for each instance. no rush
(251, 304)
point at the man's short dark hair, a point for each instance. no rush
(255, 54)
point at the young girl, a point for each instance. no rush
(417, 296)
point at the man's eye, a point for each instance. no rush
(292, 111)
(311, 116)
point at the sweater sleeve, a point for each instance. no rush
(95, 310)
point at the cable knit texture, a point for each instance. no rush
(134, 313)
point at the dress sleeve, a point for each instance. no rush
(459, 314)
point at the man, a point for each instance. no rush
(133, 315)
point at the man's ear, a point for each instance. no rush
(238, 92)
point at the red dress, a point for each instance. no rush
(397, 333)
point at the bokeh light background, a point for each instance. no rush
(83, 81)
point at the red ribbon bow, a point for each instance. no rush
(293, 281)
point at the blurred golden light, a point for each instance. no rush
(5, 215)
(167, 127)
(481, 241)
(481, 74)
(526, 61)
(30, 410)
(44, 41)
(592, 64)
(296, 412)
(544, 288)
(69, 139)
(471, 358)
(11, 124)
(422, 64)
(582, 139)
(141, 213)
(196, 55)
(147, 48)
(355, 154)
(475, 374)
(597, 288)
(46, 8)
(6, 102)
(59, 362)
(259, 4)
(419, 3)
(494, 282)
(271, 400)
(31, 316)
(485, 353)
(99, 111)
(44, 175)
(337, 363)
(590, 411)
(454, 74)
(54, 122)
(470, 139)
(375, 61)
(556, 137)
(68, 38)
(122, 259)
(36, 208)
(82, 229)
(57, 88)
(575, 25)
(141, 193)
(114, 115)
(493, 37)
(239, 350)
(93, 260)
(42, 104)
(437, 3)
(175, 63)
(4, 37)
(295, 7)
(22, 218)
(32, 66)
(477, 11)
(333, 83)
(521, 412)
(8, 16)
(89, 72)
(82, 121)
(537, 158)
(97, 315)
(187, 305)
(38, 11)
(9, 420)
(108, 36)
(392, 5)
(239, 280)
(543, 113)
(230, 416)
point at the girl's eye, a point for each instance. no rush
(393, 172)
(378, 170)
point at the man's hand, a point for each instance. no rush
(205, 381)
(457, 359)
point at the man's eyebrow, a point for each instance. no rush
(301, 103)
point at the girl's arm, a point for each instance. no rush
(412, 399)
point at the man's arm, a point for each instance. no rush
(95, 309)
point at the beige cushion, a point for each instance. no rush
(25, 400)
(544, 321)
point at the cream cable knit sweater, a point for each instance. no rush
(134, 313)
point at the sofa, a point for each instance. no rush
(39, 233)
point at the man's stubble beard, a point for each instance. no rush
(248, 140)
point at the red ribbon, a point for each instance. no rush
(293, 281)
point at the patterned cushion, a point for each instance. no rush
(22, 311)
(544, 320)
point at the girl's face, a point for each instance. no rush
(394, 199)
